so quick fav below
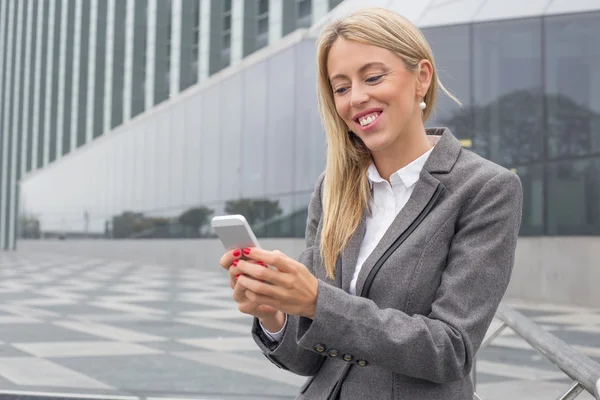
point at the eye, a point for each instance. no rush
(374, 79)
(341, 90)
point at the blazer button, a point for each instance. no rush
(347, 357)
(320, 348)
(333, 353)
(362, 363)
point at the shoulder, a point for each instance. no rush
(475, 175)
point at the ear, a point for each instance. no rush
(424, 76)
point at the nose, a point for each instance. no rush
(358, 96)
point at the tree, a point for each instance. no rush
(254, 210)
(195, 218)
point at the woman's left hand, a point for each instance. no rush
(291, 288)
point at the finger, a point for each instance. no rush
(264, 301)
(275, 258)
(228, 258)
(239, 293)
(258, 287)
(260, 273)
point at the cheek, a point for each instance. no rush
(342, 109)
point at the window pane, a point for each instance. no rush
(193, 147)
(532, 180)
(211, 136)
(231, 126)
(450, 46)
(309, 138)
(573, 84)
(507, 91)
(254, 130)
(573, 197)
(280, 120)
(263, 25)
(263, 6)
(304, 8)
(227, 22)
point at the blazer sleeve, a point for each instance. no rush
(440, 346)
(286, 354)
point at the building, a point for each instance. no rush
(142, 118)
(72, 71)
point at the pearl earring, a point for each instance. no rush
(422, 105)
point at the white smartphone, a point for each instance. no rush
(234, 232)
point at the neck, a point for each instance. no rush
(405, 150)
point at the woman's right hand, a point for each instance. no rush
(271, 318)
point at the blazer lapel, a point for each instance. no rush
(441, 161)
(423, 192)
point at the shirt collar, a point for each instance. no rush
(409, 174)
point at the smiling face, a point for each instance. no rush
(375, 94)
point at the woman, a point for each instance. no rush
(410, 238)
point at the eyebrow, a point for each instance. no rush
(361, 70)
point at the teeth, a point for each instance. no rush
(367, 119)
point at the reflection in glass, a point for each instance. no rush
(532, 181)
(573, 197)
(451, 47)
(508, 100)
(573, 84)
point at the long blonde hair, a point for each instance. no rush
(346, 188)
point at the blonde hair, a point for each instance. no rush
(346, 188)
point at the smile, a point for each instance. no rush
(368, 119)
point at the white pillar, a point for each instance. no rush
(108, 81)
(12, 206)
(76, 75)
(91, 78)
(48, 66)
(37, 82)
(204, 52)
(320, 8)
(275, 20)
(175, 70)
(61, 79)
(150, 54)
(237, 31)
(127, 81)
(26, 88)
(6, 129)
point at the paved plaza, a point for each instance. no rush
(106, 329)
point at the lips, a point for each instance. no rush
(367, 117)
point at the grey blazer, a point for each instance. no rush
(422, 314)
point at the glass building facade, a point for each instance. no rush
(75, 71)
(249, 140)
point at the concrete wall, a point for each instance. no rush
(556, 270)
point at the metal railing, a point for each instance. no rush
(584, 371)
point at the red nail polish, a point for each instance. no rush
(236, 277)
(235, 262)
(246, 251)
(237, 253)
(261, 263)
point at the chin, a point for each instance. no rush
(376, 143)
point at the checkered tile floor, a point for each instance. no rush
(97, 328)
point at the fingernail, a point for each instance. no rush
(237, 253)
(246, 251)
(235, 262)
(236, 277)
(261, 263)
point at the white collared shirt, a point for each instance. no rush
(387, 201)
